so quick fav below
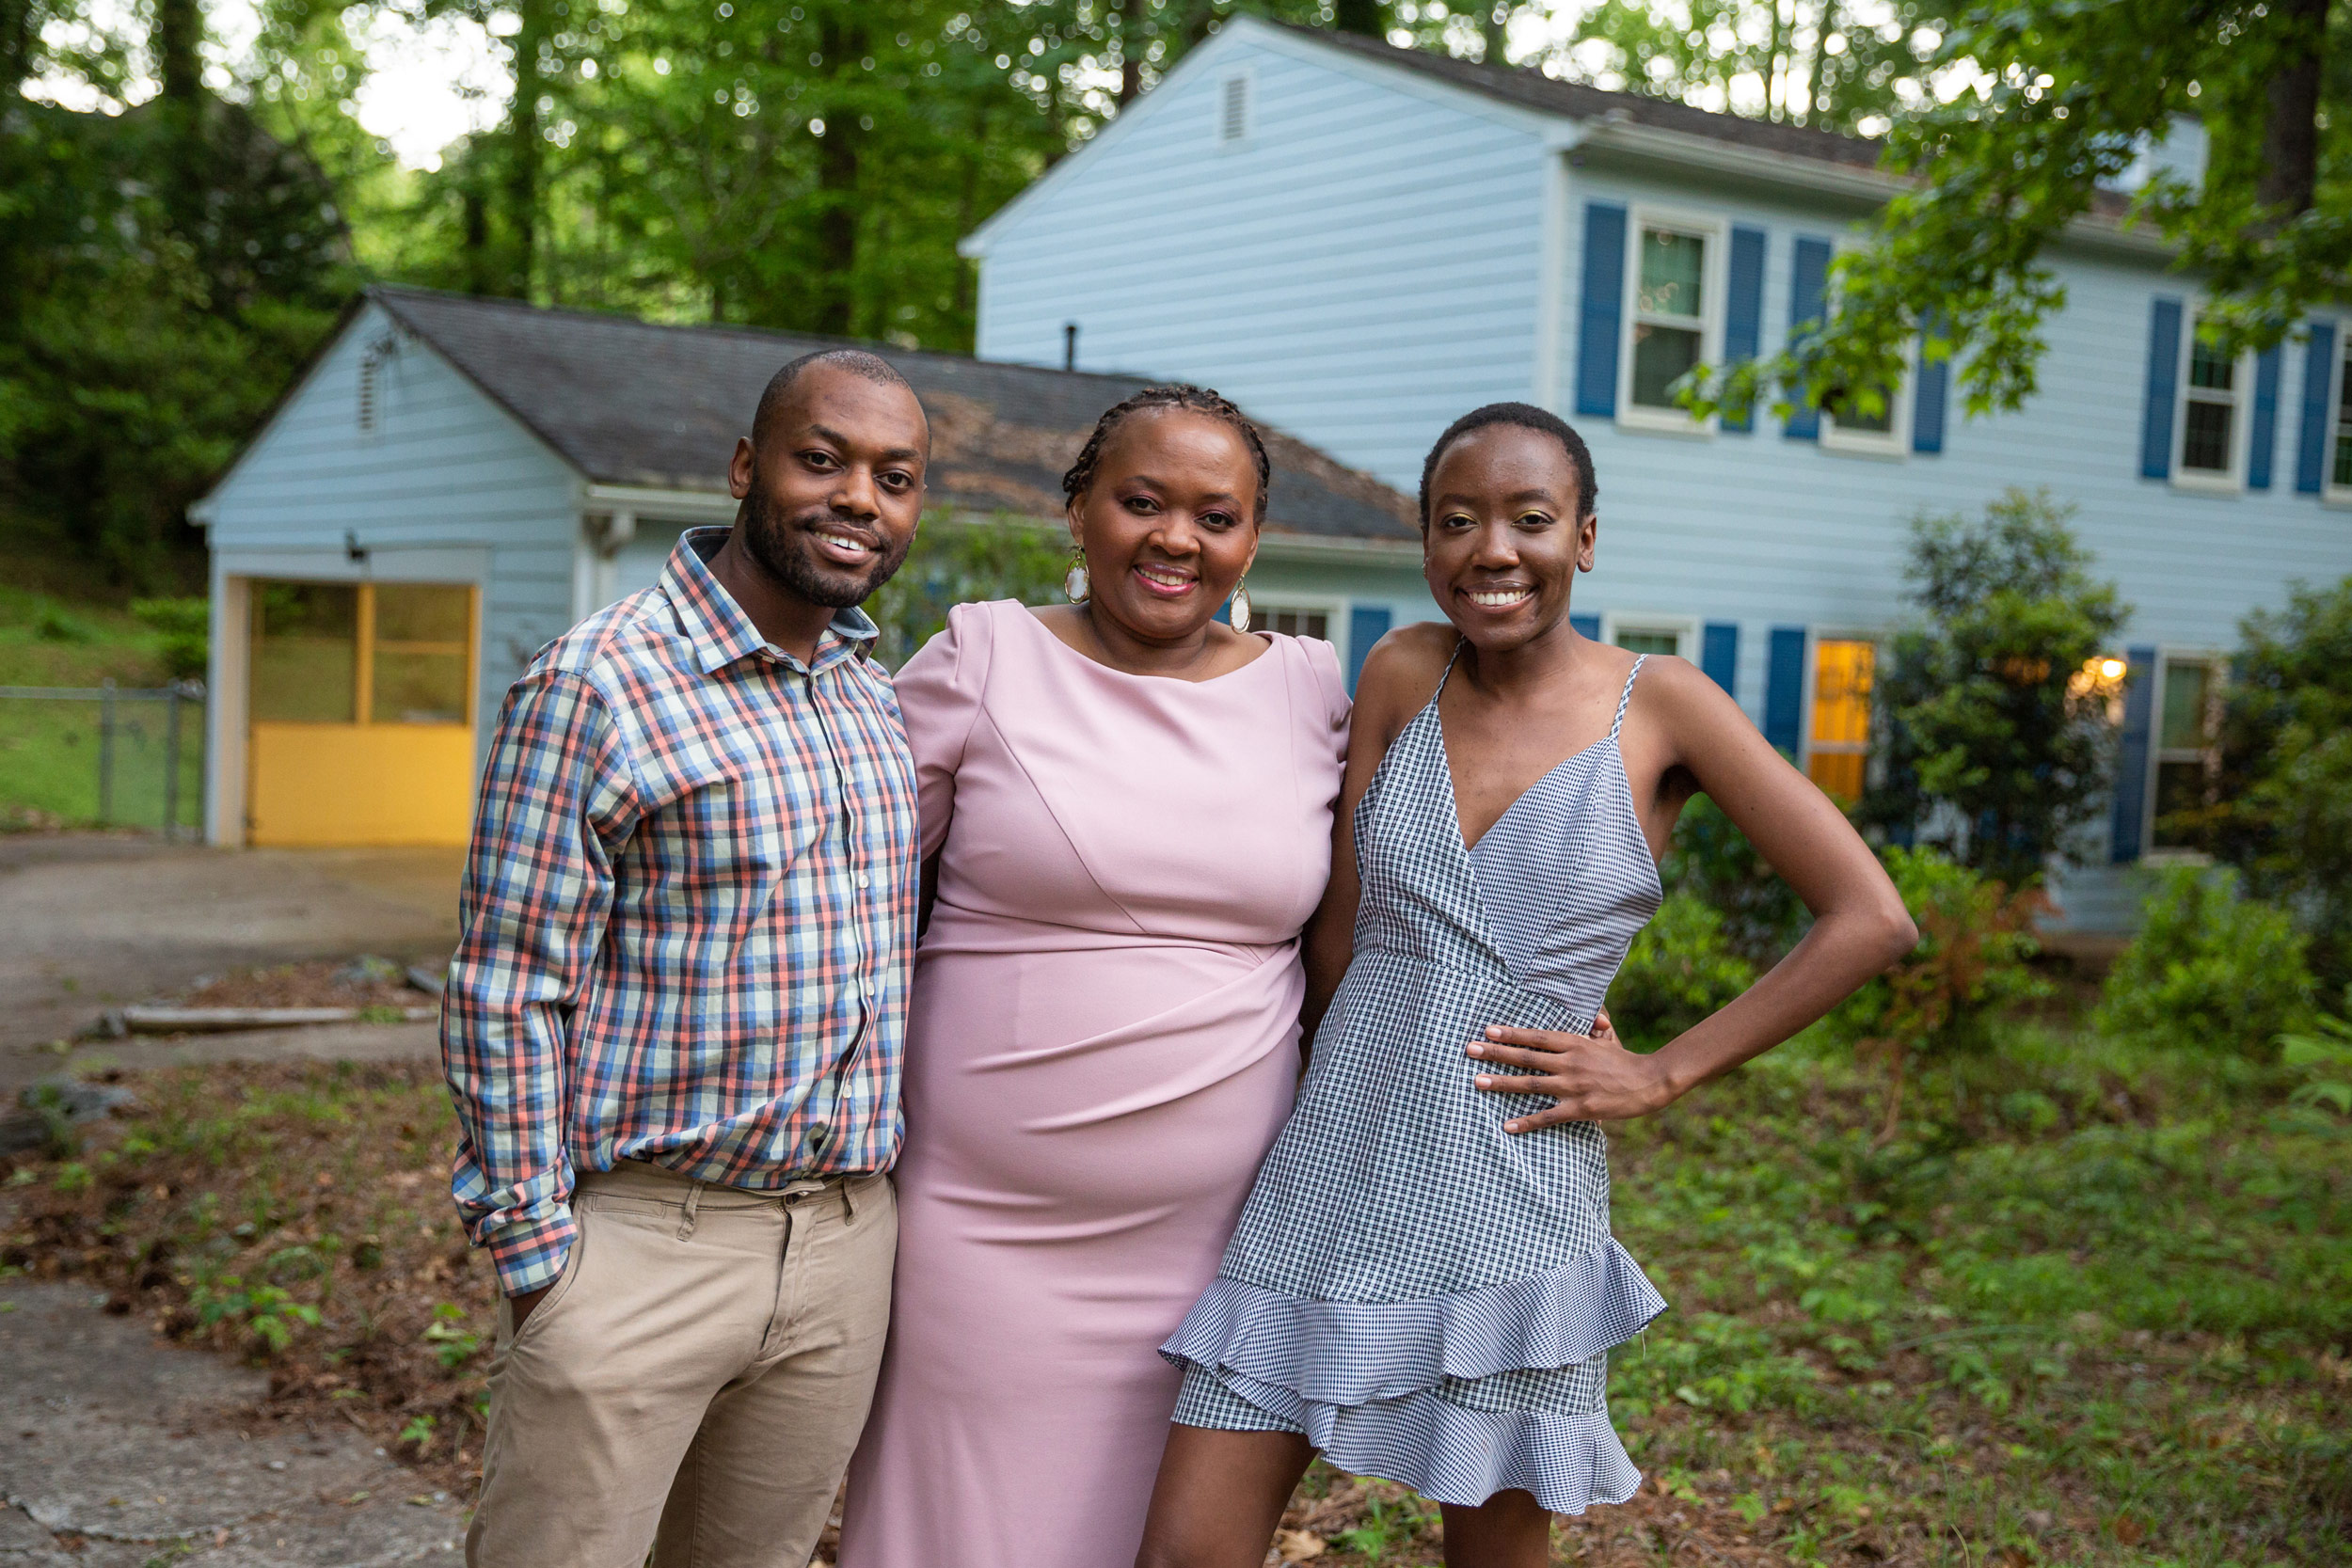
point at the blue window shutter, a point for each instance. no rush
(1784, 689)
(1719, 653)
(1586, 626)
(1931, 390)
(1224, 616)
(1367, 624)
(2264, 432)
(2319, 369)
(2164, 370)
(1743, 312)
(1603, 307)
(1808, 285)
(2131, 757)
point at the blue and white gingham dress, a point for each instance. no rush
(1428, 1298)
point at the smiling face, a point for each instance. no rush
(1503, 543)
(1168, 523)
(834, 491)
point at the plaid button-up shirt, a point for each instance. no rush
(688, 908)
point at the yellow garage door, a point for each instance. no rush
(361, 713)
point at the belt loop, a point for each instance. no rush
(849, 1204)
(694, 1203)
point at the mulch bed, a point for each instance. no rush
(362, 982)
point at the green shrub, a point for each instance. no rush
(1709, 857)
(184, 632)
(2208, 971)
(1941, 999)
(1680, 969)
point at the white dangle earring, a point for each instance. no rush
(1241, 605)
(1075, 583)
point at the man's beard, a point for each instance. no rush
(783, 556)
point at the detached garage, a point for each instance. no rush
(455, 480)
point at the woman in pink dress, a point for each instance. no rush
(1127, 808)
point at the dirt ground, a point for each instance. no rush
(91, 920)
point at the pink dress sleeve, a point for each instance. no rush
(1324, 659)
(940, 691)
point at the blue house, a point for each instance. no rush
(1360, 243)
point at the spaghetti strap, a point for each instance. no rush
(1623, 698)
(1459, 643)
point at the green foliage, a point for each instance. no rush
(1988, 727)
(2284, 812)
(1975, 936)
(184, 632)
(953, 564)
(2070, 94)
(2209, 971)
(454, 1345)
(2324, 1061)
(266, 1312)
(1825, 67)
(1711, 858)
(1679, 970)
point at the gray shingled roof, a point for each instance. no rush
(1531, 89)
(628, 402)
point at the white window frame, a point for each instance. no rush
(1334, 610)
(1245, 79)
(1814, 637)
(2217, 661)
(2205, 480)
(2339, 372)
(1895, 440)
(1713, 284)
(1683, 629)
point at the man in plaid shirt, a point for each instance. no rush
(674, 1025)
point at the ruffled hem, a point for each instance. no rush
(1452, 1455)
(1347, 1352)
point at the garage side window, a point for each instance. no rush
(421, 633)
(306, 652)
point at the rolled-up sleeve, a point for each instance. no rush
(558, 798)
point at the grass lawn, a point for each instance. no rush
(49, 749)
(2086, 1310)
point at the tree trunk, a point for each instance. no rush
(1776, 74)
(474, 212)
(1367, 17)
(178, 28)
(2290, 174)
(16, 47)
(525, 148)
(1822, 81)
(843, 44)
(178, 31)
(1495, 27)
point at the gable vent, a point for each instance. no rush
(1232, 121)
(371, 383)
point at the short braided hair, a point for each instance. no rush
(1521, 416)
(1198, 400)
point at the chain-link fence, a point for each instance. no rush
(104, 756)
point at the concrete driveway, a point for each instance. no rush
(93, 921)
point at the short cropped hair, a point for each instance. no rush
(1525, 416)
(1198, 400)
(857, 361)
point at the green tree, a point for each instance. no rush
(1820, 64)
(1995, 738)
(2283, 811)
(2068, 97)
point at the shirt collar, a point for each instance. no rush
(720, 630)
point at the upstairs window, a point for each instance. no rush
(1676, 319)
(2213, 415)
(1652, 634)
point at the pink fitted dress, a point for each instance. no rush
(1102, 1044)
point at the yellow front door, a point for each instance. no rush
(361, 713)
(1838, 753)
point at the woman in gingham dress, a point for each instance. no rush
(1424, 1286)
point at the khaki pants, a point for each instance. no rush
(695, 1382)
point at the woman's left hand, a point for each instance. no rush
(1594, 1077)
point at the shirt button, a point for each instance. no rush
(861, 879)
